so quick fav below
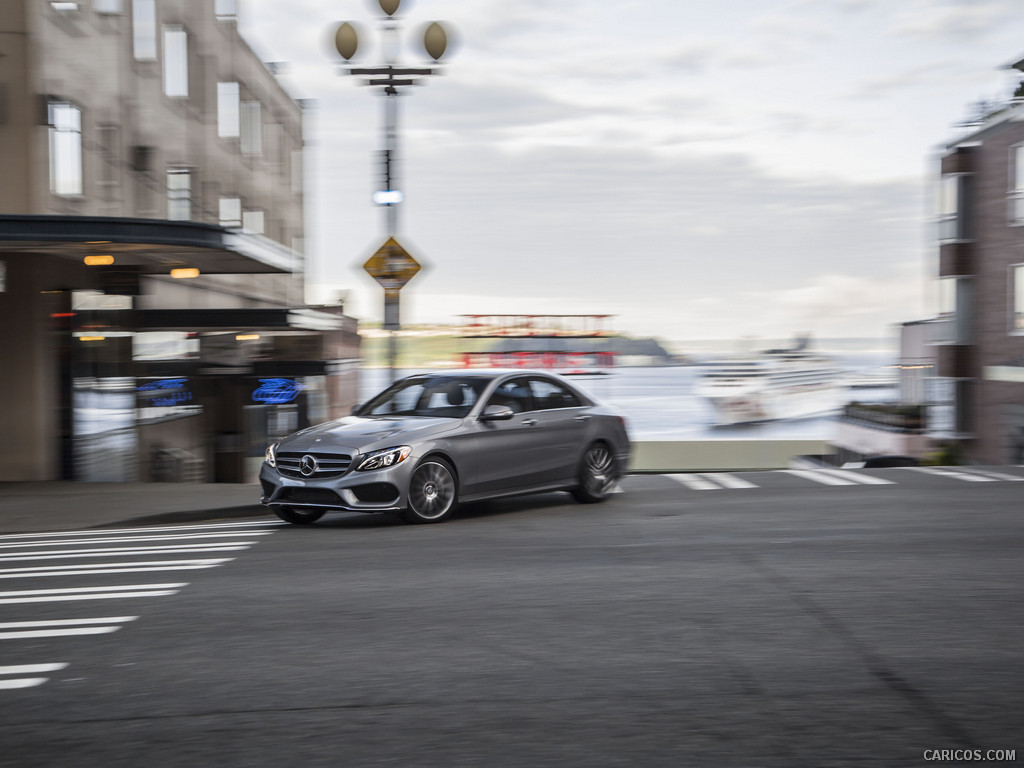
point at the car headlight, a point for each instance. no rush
(271, 454)
(389, 457)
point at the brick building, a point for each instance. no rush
(976, 400)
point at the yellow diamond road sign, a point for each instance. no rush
(392, 266)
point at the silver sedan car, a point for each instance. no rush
(431, 441)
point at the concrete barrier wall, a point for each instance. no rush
(719, 455)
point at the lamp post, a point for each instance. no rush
(391, 265)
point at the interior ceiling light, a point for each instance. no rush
(99, 260)
(247, 337)
(184, 273)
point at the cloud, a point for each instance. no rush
(954, 19)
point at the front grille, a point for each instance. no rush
(327, 464)
(323, 496)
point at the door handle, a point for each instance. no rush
(582, 418)
(528, 422)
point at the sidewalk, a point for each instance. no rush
(66, 506)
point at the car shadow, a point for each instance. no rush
(476, 510)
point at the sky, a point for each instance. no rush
(700, 170)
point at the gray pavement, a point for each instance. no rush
(66, 505)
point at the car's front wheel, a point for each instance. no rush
(598, 475)
(299, 516)
(432, 493)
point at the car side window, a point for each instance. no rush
(515, 394)
(548, 395)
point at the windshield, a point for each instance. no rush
(444, 396)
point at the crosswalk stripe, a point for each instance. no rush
(856, 477)
(89, 593)
(25, 634)
(32, 669)
(996, 475)
(66, 622)
(173, 549)
(819, 476)
(132, 539)
(694, 482)
(728, 481)
(270, 525)
(952, 473)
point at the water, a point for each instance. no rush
(659, 404)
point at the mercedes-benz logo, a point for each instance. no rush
(308, 465)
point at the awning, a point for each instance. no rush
(255, 319)
(154, 246)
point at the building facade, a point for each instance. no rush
(976, 398)
(151, 248)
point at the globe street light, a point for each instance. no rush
(391, 266)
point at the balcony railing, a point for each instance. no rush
(892, 418)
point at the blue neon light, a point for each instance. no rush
(166, 392)
(277, 391)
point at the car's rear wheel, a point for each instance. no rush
(299, 516)
(598, 475)
(432, 493)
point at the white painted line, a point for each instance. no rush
(818, 476)
(25, 682)
(694, 482)
(132, 539)
(32, 669)
(24, 634)
(727, 480)
(66, 622)
(29, 573)
(856, 477)
(993, 475)
(173, 549)
(268, 524)
(89, 593)
(57, 570)
(94, 596)
(952, 473)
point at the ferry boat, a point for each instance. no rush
(770, 385)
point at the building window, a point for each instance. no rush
(949, 407)
(227, 110)
(108, 173)
(252, 222)
(1018, 297)
(175, 62)
(144, 29)
(955, 300)
(1017, 186)
(65, 148)
(230, 212)
(951, 192)
(252, 128)
(226, 10)
(107, 6)
(179, 194)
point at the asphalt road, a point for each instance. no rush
(777, 622)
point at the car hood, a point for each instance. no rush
(354, 434)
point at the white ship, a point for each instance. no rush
(773, 384)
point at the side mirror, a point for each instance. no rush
(497, 413)
(355, 408)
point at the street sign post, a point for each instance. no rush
(392, 267)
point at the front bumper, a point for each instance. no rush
(381, 490)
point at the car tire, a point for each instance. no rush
(299, 516)
(597, 475)
(432, 494)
